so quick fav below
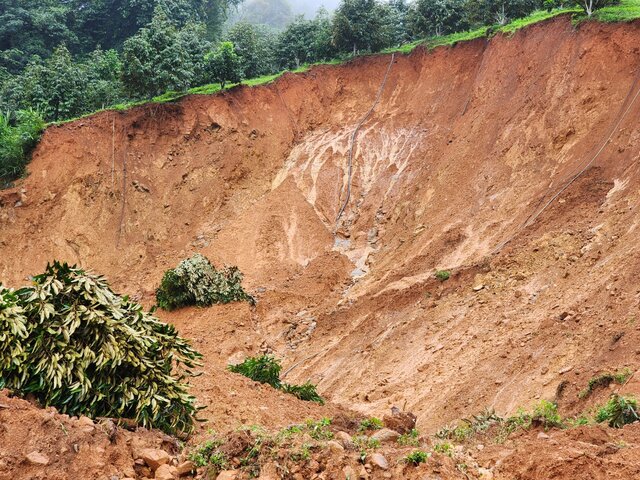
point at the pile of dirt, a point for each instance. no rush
(468, 164)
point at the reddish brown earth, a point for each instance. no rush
(467, 144)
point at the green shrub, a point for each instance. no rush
(306, 391)
(206, 454)
(19, 134)
(604, 380)
(416, 457)
(443, 275)
(72, 343)
(263, 369)
(445, 448)
(196, 282)
(372, 423)
(319, 430)
(619, 411)
(266, 369)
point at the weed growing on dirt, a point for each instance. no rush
(266, 369)
(319, 430)
(604, 380)
(69, 341)
(411, 439)
(196, 282)
(470, 427)
(618, 411)
(443, 275)
(417, 457)
(372, 423)
(363, 442)
(206, 454)
(445, 448)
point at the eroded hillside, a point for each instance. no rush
(468, 163)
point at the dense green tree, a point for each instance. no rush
(489, 12)
(161, 57)
(295, 44)
(358, 26)
(437, 17)
(255, 44)
(590, 6)
(224, 65)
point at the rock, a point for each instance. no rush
(349, 473)
(227, 475)
(185, 468)
(36, 458)
(345, 439)
(477, 288)
(165, 472)
(385, 435)
(402, 422)
(85, 421)
(335, 446)
(543, 436)
(269, 472)
(154, 457)
(485, 474)
(379, 461)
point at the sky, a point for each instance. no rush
(310, 7)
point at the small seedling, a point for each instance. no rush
(443, 275)
(417, 457)
(372, 423)
(410, 439)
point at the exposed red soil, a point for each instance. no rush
(466, 144)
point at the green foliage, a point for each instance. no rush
(411, 439)
(590, 6)
(358, 25)
(417, 457)
(196, 282)
(445, 448)
(319, 430)
(443, 275)
(604, 380)
(163, 57)
(263, 369)
(205, 454)
(618, 411)
(224, 65)
(307, 392)
(437, 17)
(254, 45)
(372, 423)
(266, 369)
(623, 11)
(18, 136)
(72, 343)
(363, 442)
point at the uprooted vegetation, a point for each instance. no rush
(196, 282)
(604, 380)
(266, 369)
(69, 341)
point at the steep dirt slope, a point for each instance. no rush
(466, 145)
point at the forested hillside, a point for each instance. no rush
(60, 59)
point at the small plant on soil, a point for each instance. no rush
(618, 411)
(416, 457)
(69, 341)
(206, 454)
(266, 369)
(411, 439)
(445, 448)
(363, 442)
(320, 430)
(604, 380)
(443, 275)
(196, 282)
(372, 423)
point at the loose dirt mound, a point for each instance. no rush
(466, 146)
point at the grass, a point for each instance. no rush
(626, 11)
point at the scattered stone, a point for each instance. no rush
(269, 472)
(477, 288)
(543, 436)
(385, 435)
(345, 439)
(335, 446)
(485, 474)
(565, 370)
(37, 458)
(165, 472)
(480, 446)
(402, 422)
(349, 473)
(154, 457)
(379, 461)
(185, 468)
(227, 475)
